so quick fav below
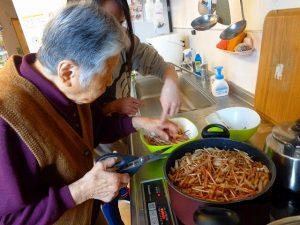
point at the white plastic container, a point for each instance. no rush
(159, 19)
(149, 10)
(219, 86)
(187, 59)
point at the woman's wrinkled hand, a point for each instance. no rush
(165, 129)
(128, 106)
(99, 183)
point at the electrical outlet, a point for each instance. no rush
(279, 71)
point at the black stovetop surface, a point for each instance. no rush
(284, 203)
(279, 203)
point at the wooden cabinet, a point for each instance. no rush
(277, 95)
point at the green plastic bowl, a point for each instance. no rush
(184, 124)
(242, 122)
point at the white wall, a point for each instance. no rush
(241, 70)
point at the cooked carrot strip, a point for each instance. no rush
(181, 136)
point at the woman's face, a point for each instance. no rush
(112, 7)
(95, 88)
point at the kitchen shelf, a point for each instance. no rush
(243, 53)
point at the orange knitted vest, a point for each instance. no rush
(62, 154)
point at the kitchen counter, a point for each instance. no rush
(154, 169)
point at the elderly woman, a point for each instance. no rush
(49, 124)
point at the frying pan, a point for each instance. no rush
(184, 205)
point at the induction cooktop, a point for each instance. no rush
(279, 203)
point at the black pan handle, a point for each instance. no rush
(212, 134)
(210, 215)
(123, 161)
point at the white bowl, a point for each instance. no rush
(241, 122)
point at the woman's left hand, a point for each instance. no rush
(164, 129)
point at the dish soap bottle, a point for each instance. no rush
(198, 63)
(219, 86)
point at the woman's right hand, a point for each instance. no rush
(99, 183)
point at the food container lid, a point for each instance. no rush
(287, 133)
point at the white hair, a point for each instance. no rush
(85, 34)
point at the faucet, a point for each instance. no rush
(204, 68)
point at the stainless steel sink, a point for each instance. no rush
(149, 88)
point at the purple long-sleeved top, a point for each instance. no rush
(23, 198)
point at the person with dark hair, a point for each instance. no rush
(142, 58)
(50, 123)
